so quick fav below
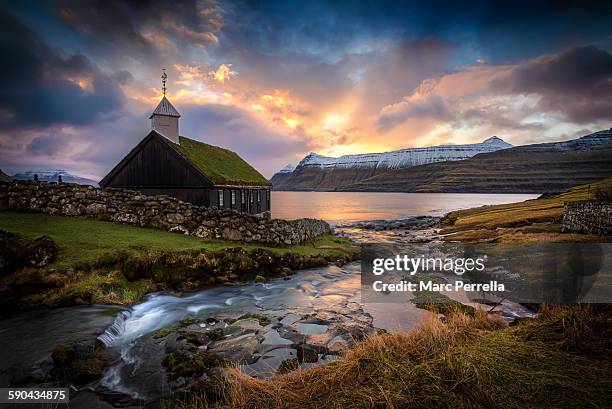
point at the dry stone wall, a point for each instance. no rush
(159, 212)
(588, 217)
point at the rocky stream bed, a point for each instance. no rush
(171, 345)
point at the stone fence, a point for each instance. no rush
(588, 217)
(158, 212)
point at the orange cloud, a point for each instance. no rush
(84, 83)
(223, 73)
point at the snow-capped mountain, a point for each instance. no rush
(318, 172)
(53, 175)
(287, 169)
(404, 158)
(490, 166)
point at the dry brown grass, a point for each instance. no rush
(458, 362)
(582, 328)
(385, 370)
(529, 221)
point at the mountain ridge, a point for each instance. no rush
(550, 166)
(52, 176)
(318, 172)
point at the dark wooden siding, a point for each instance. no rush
(156, 169)
(156, 165)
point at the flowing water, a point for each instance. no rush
(330, 288)
(29, 338)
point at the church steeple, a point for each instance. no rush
(165, 118)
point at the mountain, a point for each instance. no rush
(52, 176)
(283, 174)
(317, 172)
(546, 167)
(287, 169)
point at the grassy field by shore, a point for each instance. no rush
(537, 220)
(108, 263)
(84, 240)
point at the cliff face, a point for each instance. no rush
(307, 178)
(317, 172)
(527, 169)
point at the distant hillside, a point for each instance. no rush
(317, 172)
(52, 176)
(4, 177)
(282, 175)
(536, 168)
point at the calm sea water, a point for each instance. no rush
(345, 206)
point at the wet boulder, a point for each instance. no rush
(78, 363)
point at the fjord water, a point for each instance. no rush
(350, 206)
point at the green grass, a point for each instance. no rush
(220, 165)
(86, 240)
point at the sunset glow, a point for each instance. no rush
(257, 84)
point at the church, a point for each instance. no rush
(164, 163)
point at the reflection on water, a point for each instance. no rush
(346, 206)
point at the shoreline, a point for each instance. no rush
(195, 352)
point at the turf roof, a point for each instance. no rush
(221, 166)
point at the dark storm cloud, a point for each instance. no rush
(40, 82)
(141, 28)
(498, 31)
(577, 83)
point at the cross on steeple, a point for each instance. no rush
(163, 78)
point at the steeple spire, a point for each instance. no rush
(165, 118)
(164, 77)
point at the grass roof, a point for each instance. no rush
(221, 166)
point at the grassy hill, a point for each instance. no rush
(85, 240)
(104, 262)
(528, 221)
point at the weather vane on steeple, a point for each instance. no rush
(163, 78)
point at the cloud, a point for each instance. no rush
(336, 77)
(44, 86)
(223, 73)
(48, 144)
(237, 129)
(143, 29)
(533, 98)
(576, 83)
(421, 104)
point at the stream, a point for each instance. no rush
(320, 308)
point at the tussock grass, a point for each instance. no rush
(460, 362)
(582, 329)
(535, 220)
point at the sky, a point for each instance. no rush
(275, 80)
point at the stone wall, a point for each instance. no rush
(159, 212)
(588, 217)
